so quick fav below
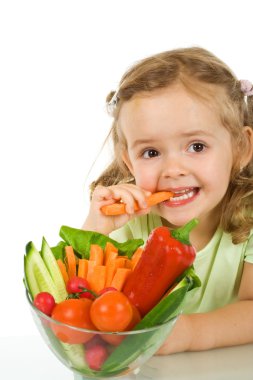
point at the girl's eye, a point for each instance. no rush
(150, 153)
(196, 147)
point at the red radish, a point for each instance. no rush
(79, 285)
(94, 341)
(95, 356)
(45, 302)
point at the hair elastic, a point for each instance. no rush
(246, 87)
(112, 104)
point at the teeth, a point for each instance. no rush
(184, 195)
(180, 191)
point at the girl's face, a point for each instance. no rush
(176, 142)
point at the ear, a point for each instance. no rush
(248, 152)
(126, 160)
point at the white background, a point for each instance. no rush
(58, 61)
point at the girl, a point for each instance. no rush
(183, 123)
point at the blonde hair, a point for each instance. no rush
(208, 78)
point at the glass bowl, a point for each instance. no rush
(122, 353)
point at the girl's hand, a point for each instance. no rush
(128, 193)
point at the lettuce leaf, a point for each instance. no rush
(81, 240)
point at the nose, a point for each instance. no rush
(174, 166)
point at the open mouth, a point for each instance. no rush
(181, 197)
(184, 194)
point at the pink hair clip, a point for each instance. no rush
(246, 87)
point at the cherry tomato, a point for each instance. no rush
(73, 312)
(115, 339)
(136, 318)
(112, 311)
(107, 289)
(45, 302)
(76, 285)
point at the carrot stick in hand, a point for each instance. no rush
(119, 208)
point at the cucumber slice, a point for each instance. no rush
(69, 354)
(37, 275)
(53, 269)
(75, 354)
(31, 284)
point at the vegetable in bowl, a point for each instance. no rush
(87, 275)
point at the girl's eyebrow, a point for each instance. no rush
(143, 141)
(197, 132)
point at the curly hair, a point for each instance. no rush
(208, 78)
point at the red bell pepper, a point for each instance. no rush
(166, 255)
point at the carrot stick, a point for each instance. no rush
(70, 261)
(91, 266)
(63, 270)
(110, 271)
(136, 256)
(112, 266)
(121, 261)
(119, 208)
(125, 262)
(128, 264)
(120, 277)
(96, 254)
(97, 278)
(82, 268)
(110, 252)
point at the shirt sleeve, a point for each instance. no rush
(249, 250)
(122, 234)
(137, 228)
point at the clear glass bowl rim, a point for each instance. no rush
(132, 332)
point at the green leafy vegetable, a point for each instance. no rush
(81, 240)
(58, 250)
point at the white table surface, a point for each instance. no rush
(29, 358)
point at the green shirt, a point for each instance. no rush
(219, 265)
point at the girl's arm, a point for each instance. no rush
(227, 326)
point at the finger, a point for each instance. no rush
(136, 188)
(101, 193)
(132, 196)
